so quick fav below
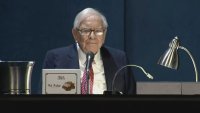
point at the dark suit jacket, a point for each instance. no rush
(113, 59)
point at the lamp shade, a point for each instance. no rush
(170, 57)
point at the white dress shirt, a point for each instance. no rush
(99, 84)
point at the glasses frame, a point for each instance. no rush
(90, 31)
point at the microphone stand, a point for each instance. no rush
(88, 79)
(90, 58)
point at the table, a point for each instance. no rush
(99, 103)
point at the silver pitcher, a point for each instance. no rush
(15, 77)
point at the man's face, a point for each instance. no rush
(91, 34)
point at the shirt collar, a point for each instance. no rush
(82, 56)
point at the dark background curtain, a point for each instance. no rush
(142, 28)
(151, 25)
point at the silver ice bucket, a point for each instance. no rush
(15, 77)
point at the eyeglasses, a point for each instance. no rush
(87, 32)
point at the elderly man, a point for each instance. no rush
(89, 32)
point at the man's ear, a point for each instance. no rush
(105, 32)
(75, 33)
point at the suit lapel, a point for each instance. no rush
(108, 68)
(72, 58)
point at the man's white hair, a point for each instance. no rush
(87, 12)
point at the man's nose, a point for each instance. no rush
(92, 35)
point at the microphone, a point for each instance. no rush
(89, 60)
(113, 81)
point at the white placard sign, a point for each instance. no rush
(61, 81)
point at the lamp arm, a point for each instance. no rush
(195, 68)
(147, 74)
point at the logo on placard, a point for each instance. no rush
(67, 86)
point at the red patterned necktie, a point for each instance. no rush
(84, 86)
